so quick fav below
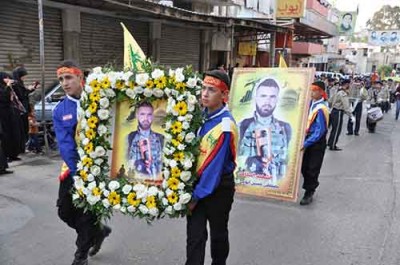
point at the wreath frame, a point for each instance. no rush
(93, 189)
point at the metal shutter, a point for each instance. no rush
(180, 46)
(19, 39)
(102, 39)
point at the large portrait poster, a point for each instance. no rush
(138, 142)
(346, 23)
(270, 106)
(384, 37)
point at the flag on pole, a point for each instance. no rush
(282, 63)
(133, 54)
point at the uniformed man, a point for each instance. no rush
(374, 100)
(357, 94)
(384, 95)
(340, 105)
(65, 119)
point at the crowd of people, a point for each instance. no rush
(18, 126)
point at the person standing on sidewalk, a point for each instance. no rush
(358, 94)
(315, 143)
(397, 95)
(213, 193)
(65, 119)
(340, 104)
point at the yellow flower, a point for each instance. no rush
(172, 198)
(131, 199)
(87, 161)
(132, 84)
(180, 138)
(89, 147)
(175, 173)
(173, 183)
(93, 107)
(94, 84)
(175, 142)
(149, 84)
(80, 192)
(180, 86)
(176, 127)
(151, 202)
(179, 156)
(161, 82)
(95, 96)
(105, 83)
(181, 108)
(91, 134)
(96, 191)
(92, 122)
(114, 198)
(172, 80)
(83, 175)
(120, 84)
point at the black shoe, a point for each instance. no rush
(349, 133)
(80, 261)
(307, 199)
(335, 148)
(356, 134)
(16, 158)
(105, 232)
(5, 171)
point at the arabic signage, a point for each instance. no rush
(346, 23)
(290, 8)
(384, 37)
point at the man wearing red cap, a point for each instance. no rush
(65, 119)
(214, 190)
(315, 142)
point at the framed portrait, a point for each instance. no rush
(270, 106)
(138, 141)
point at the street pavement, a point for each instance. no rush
(354, 219)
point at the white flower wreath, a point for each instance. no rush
(94, 190)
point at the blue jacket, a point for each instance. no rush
(65, 120)
(319, 126)
(222, 164)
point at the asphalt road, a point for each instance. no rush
(353, 220)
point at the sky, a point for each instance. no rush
(367, 8)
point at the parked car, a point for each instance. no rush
(53, 96)
(329, 75)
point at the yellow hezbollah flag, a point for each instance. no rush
(133, 54)
(282, 63)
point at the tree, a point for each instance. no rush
(386, 18)
(385, 70)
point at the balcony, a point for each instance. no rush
(318, 7)
(307, 48)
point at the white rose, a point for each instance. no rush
(92, 185)
(186, 175)
(168, 192)
(110, 93)
(164, 184)
(104, 103)
(102, 130)
(138, 90)
(81, 152)
(90, 177)
(181, 147)
(181, 186)
(171, 72)
(148, 93)
(106, 193)
(153, 191)
(95, 170)
(100, 151)
(142, 194)
(106, 203)
(168, 137)
(97, 70)
(102, 185)
(189, 137)
(79, 184)
(139, 187)
(191, 107)
(85, 141)
(192, 82)
(188, 117)
(141, 79)
(166, 173)
(172, 163)
(180, 98)
(126, 189)
(169, 210)
(88, 89)
(160, 194)
(83, 123)
(143, 209)
(164, 201)
(98, 161)
(185, 125)
(88, 114)
(123, 209)
(131, 209)
(75, 196)
(185, 198)
(177, 206)
(85, 191)
(117, 206)
(167, 91)
(92, 200)
(131, 93)
(192, 99)
(187, 164)
(168, 125)
(113, 185)
(103, 114)
(153, 211)
(158, 93)
(157, 73)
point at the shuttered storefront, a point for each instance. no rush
(19, 39)
(180, 46)
(102, 39)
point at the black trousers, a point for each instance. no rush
(336, 118)
(357, 114)
(83, 223)
(312, 162)
(214, 209)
